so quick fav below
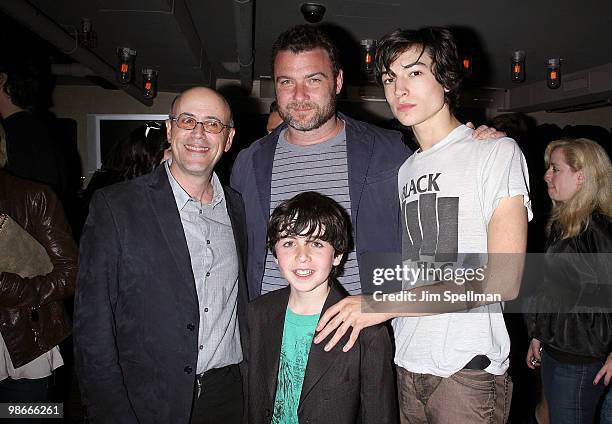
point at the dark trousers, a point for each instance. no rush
(24, 391)
(220, 397)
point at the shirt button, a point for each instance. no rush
(190, 327)
(208, 274)
(205, 309)
(201, 347)
(207, 241)
(188, 369)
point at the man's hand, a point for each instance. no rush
(483, 132)
(533, 354)
(344, 314)
(605, 372)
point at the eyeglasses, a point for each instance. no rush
(188, 122)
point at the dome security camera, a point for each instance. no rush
(313, 12)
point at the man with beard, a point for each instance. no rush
(317, 149)
(311, 151)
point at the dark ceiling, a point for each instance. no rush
(195, 41)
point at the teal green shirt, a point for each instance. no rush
(297, 338)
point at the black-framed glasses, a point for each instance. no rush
(188, 122)
(152, 125)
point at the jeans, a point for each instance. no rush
(468, 396)
(572, 397)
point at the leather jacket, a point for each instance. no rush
(577, 274)
(32, 315)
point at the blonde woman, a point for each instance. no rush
(572, 347)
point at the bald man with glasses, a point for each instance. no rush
(160, 298)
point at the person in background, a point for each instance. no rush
(571, 333)
(138, 154)
(274, 119)
(33, 320)
(31, 151)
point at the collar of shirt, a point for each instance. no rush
(182, 197)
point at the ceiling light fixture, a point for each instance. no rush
(149, 83)
(368, 51)
(87, 37)
(517, 66)
(127, 57)
(553, 73)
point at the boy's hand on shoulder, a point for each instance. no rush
(343, 315)
(483, 132)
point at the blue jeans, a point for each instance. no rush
(572, 397)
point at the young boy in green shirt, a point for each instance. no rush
(290, 379)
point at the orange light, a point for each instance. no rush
(517, 66)
(466, 63)
(553, 73)
(368, 51)
(125, 66)
(149, 83)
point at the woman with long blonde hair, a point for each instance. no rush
(572, 342)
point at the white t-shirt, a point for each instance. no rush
(448, 194)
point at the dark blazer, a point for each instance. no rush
(374, 156)
(136, 307)
(357, 386)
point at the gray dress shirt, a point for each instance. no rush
(214, 262)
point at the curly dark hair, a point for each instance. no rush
(303, 38)
(438, 43)
(312, 214)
